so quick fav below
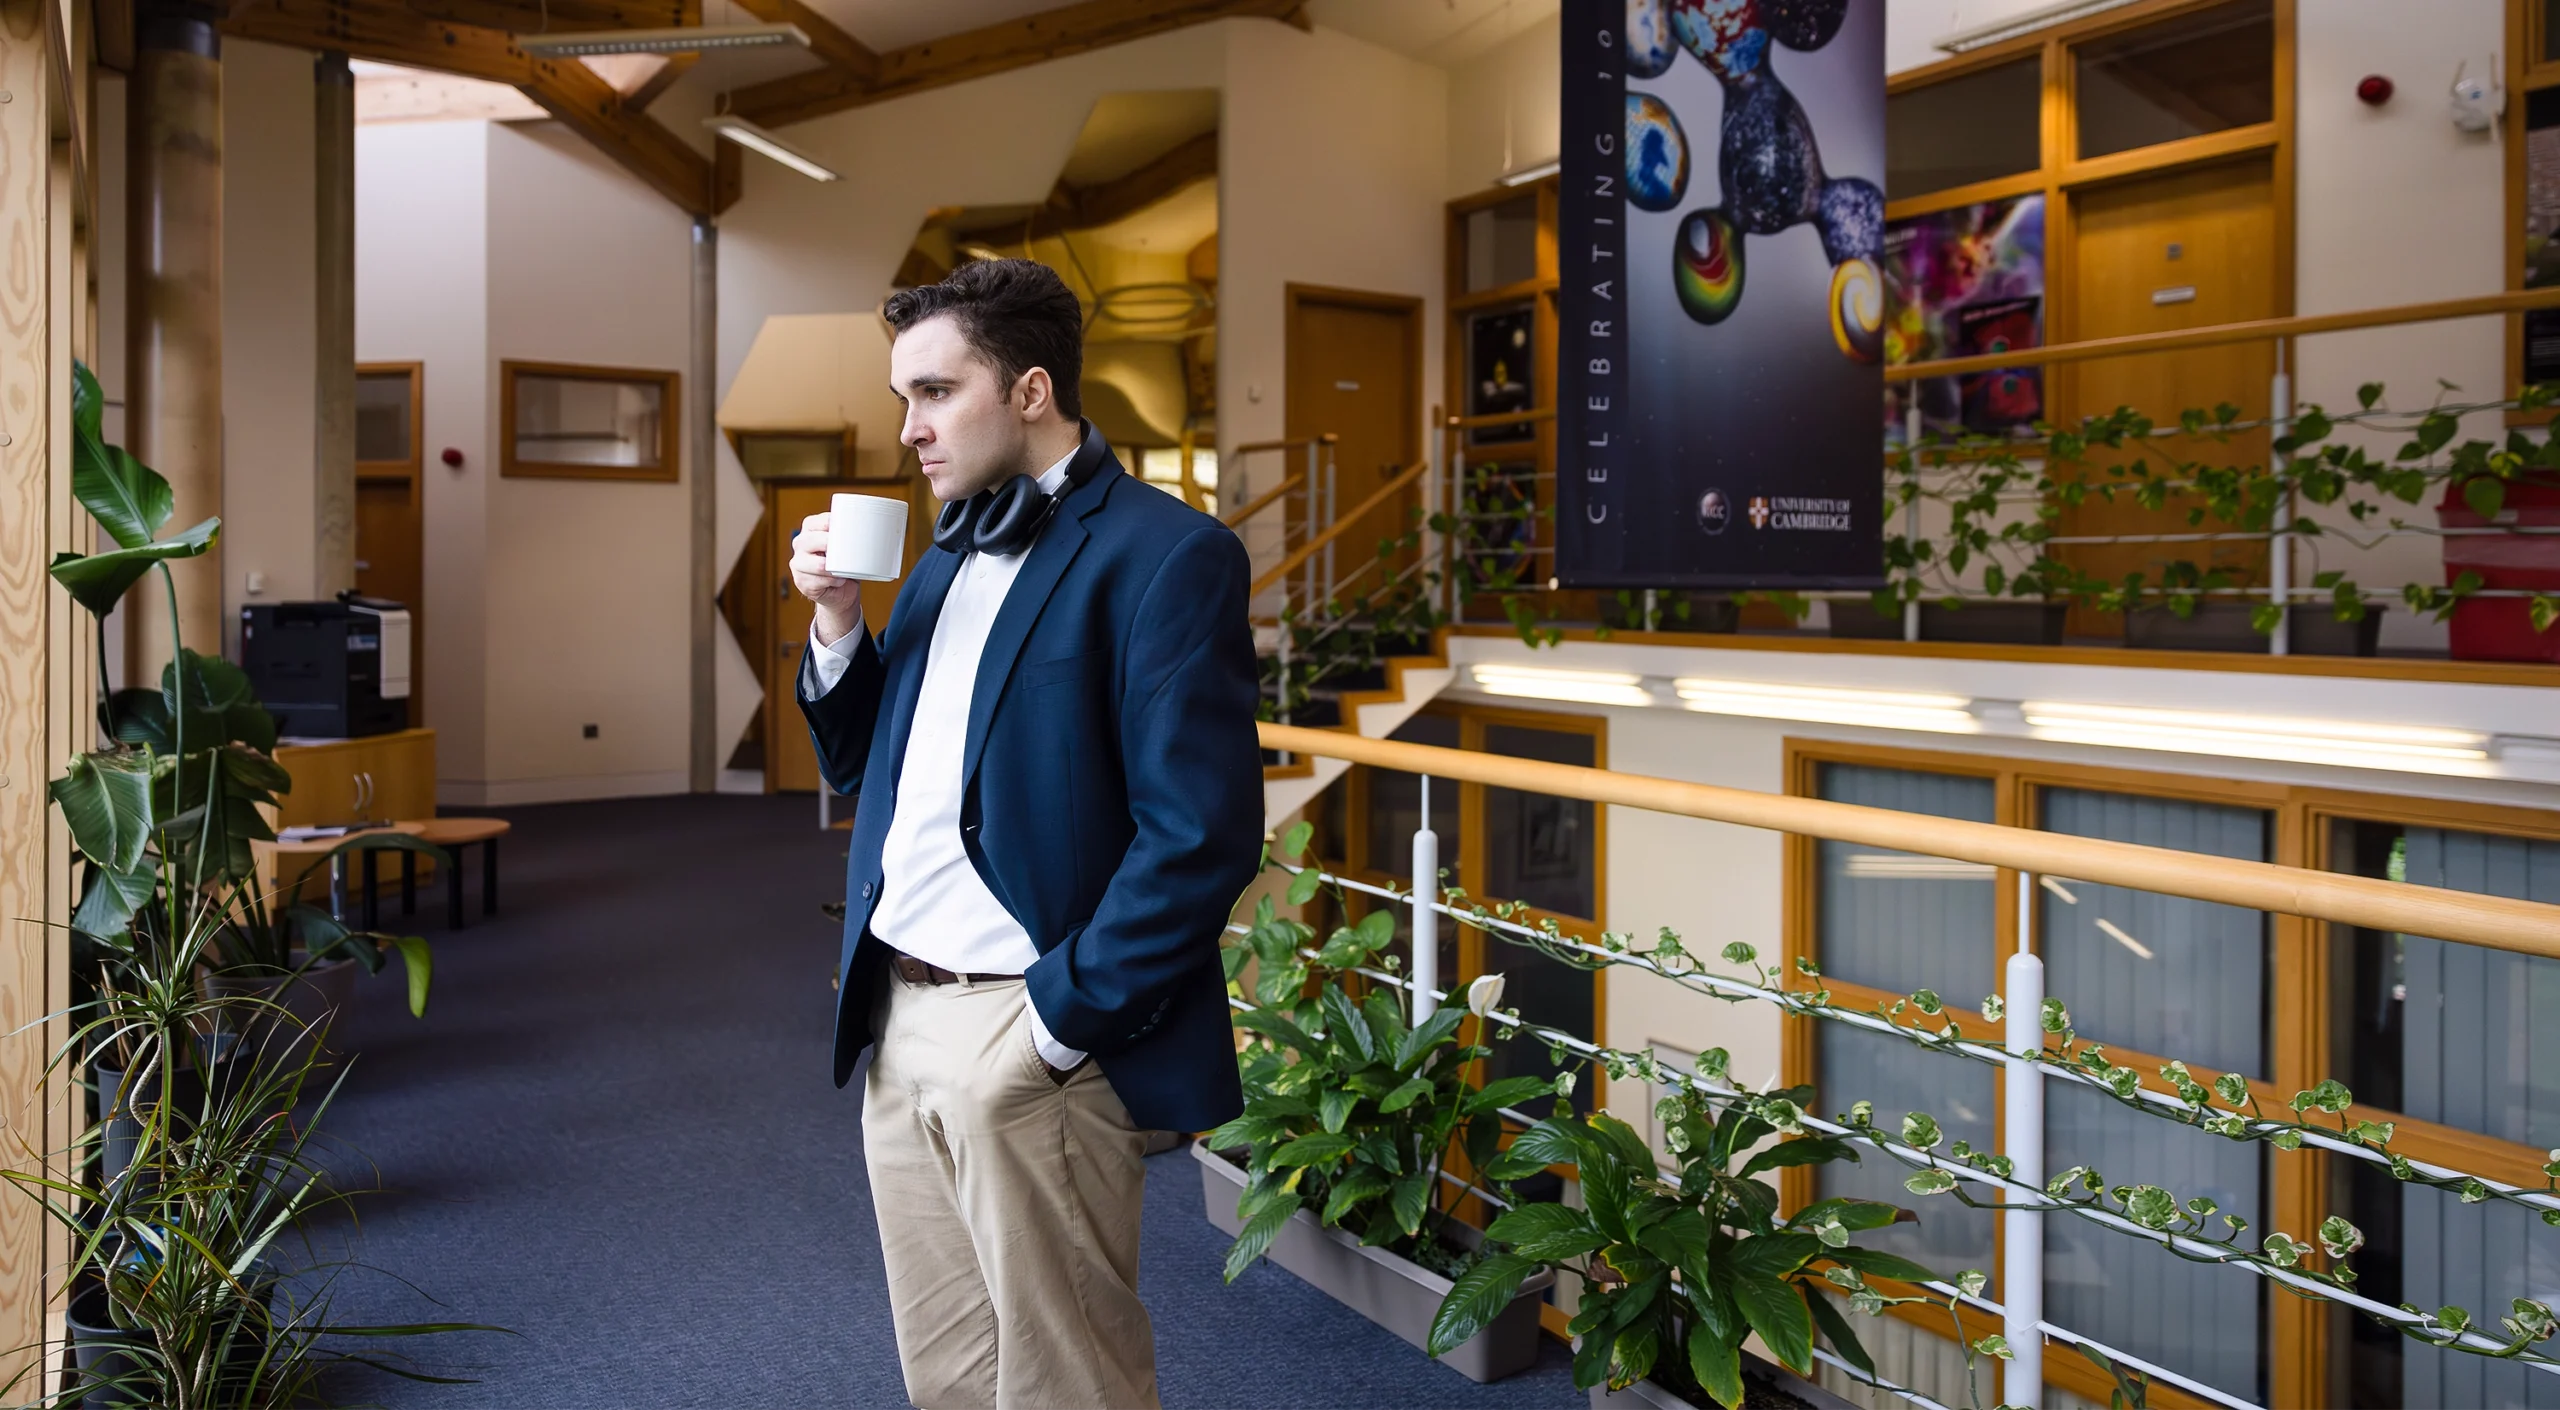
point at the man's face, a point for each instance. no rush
(969, 430)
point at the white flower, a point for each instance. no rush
(1483, 994)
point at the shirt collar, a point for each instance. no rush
(1054, 478)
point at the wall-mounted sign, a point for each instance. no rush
(1720, 241)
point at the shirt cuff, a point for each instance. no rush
(1052, 1052)
(827, 664)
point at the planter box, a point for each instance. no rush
(1765, 1386)
(1999, 623)
(2501, 628)
(1395, 1293)
(2314, 630)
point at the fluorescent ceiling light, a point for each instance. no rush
(1553, 683)
(2408, 748)
(1966, 40)
(1831, 705)
(754, 138)
(1527, 174)
(1904, 866)
(688, 39)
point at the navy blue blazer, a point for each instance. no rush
(1111, 783)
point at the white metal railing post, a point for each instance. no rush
(1426, 920)
(2280, 546)
(2022, 1141)
(1911, 511)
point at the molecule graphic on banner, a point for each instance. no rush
(1768, 162)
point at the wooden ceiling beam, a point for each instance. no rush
(993, 49)
(827, 39)
(589, 106)
(387, 32)
(652, 88)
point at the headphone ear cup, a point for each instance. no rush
(952, 526)
(1014, 516)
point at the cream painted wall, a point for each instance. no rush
(422, 295)
(585, 619)
(1503, 108)
(270, 328)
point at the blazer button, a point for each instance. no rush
(866, 891)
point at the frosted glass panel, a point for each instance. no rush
(1962, 1094)
(2159, 974)
(1896, 920)
(2194, 1318)
(2482, 1050)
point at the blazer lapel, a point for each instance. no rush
(1048, 562)
(931, 584)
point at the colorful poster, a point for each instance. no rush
(1960, 282)
(1720, 246)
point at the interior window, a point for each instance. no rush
(1899, 921)
(1541, 850)
(2206, 71)
(1973, 127)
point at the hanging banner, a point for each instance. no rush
(1720, 246)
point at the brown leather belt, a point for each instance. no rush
(916, 971)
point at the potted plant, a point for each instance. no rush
(1352, 1106)
(1680, 1271)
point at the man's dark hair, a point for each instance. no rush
(1017, 313)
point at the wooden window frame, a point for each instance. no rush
(669, 468)
(2299, 1193)
(413, 469)
(2062, 172)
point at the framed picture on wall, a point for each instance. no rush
(567, 422)
(1499, 375)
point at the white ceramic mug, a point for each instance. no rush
(866, 537)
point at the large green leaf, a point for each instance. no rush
(1405, 1095)
(1776, 1310)
(1410, 1197)
(1273, 1026)
(1412, 1046)
(1363, 1183)
(1717, 1365)
(1638, 1346)
(1803, 1150)
(106, 801)
(1318, 1149)
(1334, 1108)
(98, 581)
(1345, 1026)
(1773, 1256)
(88, 402)
(1550, 1233)
(1620, 1141)
(1677, 1237)
(1477, 1297)
(220, 705)
(106, 911)
(129, 499)
(1843, 1340)
(1855, 1215)
(1257, 1235)
(1541, 1145)
(1510, 1091)
(421, 963)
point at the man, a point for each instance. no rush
(1061, 801)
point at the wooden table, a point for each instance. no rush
(285, 853)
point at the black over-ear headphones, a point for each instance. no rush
(1008, 519)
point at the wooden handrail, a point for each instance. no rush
(1501, 418)
(1328, 438)
(1263, 501)
(1340, 525)
(2219, 334)
(2525, 927)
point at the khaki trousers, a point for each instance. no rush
(1008, 1208)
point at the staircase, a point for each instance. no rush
(1372, 702)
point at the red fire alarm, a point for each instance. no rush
(452, 457)
(2374, 90)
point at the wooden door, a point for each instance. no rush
(390, 511)
(790, 760)
(1355, 370)
(2171, 252)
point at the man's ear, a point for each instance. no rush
(1032, 393)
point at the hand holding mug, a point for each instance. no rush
(838, 600)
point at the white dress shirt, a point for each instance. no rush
(933, 904)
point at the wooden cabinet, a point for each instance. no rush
(383, 777)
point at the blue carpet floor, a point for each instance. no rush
(613, 1135)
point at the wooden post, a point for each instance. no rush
(333, 498)
(34, 417)
(173, 323)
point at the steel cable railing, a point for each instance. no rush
(2014, 1177)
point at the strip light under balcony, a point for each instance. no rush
(2407, 748)
(1830, 705)
(687, 39)
(1555, 683)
